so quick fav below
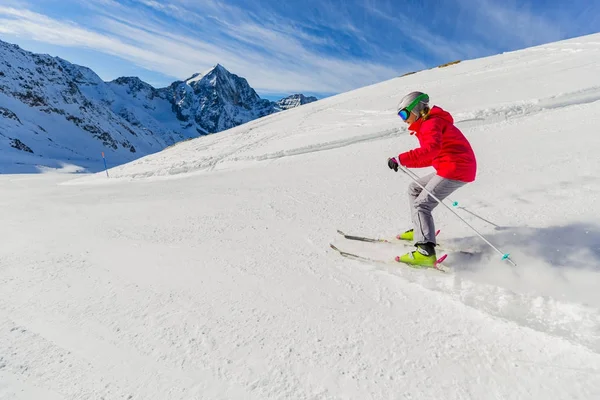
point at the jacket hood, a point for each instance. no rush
(438, 112)
(435, 112)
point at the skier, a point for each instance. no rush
(443, 147)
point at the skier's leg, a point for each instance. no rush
(424, 205)
(414, 191)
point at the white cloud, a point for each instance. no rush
(282, 65)
(41, 28)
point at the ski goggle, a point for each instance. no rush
(405, 112)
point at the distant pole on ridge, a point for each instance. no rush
(105, 167)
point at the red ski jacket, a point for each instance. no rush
(443, 147)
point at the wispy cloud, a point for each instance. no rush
(421, 39)
(325, 46)
(64, 33)
(509, 24)
(269, 57)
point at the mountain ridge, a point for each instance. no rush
(64, 113)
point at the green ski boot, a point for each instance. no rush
(408, 235)
(423, 257)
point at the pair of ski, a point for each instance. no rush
(436, 266)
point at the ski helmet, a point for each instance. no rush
(414, 102)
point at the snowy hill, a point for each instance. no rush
(204, 271)
(56, 114)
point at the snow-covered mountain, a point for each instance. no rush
(54, 113)
(61, 111)
(294, 101)
(216, 100)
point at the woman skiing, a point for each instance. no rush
(443, 147)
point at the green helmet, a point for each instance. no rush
(414, 102)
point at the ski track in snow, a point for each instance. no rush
(220, 284)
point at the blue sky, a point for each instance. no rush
(318, 47)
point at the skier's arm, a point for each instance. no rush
(431, 143)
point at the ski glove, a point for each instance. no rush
(393, 164)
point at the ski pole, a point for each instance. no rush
(455, 204)
(505, 256)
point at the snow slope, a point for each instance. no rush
(204, 272)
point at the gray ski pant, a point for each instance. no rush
(422, 204)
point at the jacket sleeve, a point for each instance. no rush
(431, 142)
